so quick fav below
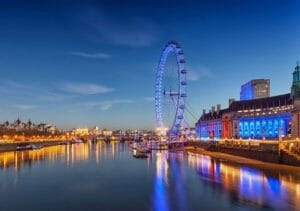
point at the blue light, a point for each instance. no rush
(274, 184)
(211, 130)
(246, 123)
(249, 127)
(241, 128)
(252, 129)
(264, 126)
(247, 91)
(161, 201)
(257, 128)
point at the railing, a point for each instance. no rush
(291, 146)
(259, 145)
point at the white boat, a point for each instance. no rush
(37, 147)
(28, 147)
(77, 141)
(133, 145)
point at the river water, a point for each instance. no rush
(100, 176)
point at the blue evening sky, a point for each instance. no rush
(85, 63)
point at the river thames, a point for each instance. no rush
(105, 176)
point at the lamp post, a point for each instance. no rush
(279, 139)
(264, 133)
(279, 133)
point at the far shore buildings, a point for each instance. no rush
(256, 115)
(20, 126)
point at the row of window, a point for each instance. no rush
(257, 127)
(269, 127)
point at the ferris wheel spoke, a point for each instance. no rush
(171, 93)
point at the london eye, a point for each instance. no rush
(171, 96)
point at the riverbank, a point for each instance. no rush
(11, 146)
(238, 160)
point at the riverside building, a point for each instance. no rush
(255, 89)
(255, 116)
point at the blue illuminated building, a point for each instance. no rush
(247, 92)
(255, 116)
(264, 126)
(210, 124)
(256, 119)
(255, 89)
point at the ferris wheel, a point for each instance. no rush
(176, 96)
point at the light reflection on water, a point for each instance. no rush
(246, 185)
(164, 181)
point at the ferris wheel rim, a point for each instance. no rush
(171, 47)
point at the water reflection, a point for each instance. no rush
(70, 153)
(161, 200)
(248, 186)
(170, 181)
(169, 190)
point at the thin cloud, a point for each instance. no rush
(149, 99)
(53, 97)
(11, 87)
(22, 91)
(199, 73)
(192, 76)
(85, 88)
(92, 55)
(107, 104)
(128, 31)
(205, 73)
(24, 106)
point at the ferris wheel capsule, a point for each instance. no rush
(183, 71)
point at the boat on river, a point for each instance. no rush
(140, 155)
(143, 149)
(76, 141)
(133, 145)
(28, 147)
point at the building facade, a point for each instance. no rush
(256, 118)
(255, 89)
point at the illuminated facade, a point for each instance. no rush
(80, 131)
(258, 118)
(268, 127)
(107, 132)
(210, 125)
(255, 89)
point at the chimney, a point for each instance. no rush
(231, 100)
(213, 109)
(218, 107)
(203, 111)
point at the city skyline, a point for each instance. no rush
(78, 65)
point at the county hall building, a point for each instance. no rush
(256, 115)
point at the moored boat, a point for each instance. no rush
(143, 150)
(77, 141)
(142, 155)
(133, 145)
(28, 147)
